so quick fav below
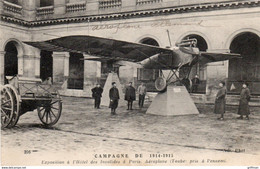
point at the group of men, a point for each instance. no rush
(130, 96)
(243, 108)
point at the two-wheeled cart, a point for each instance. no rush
(22, 95)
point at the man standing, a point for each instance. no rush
(130, 96)
(220, 102)
(243, 108)
(97, 94)
(114, 97)
(195, 83)
(142, 92)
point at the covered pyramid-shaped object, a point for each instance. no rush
(175, 101)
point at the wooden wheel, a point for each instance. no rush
(7, 106)
(49, 111)
(16, 102)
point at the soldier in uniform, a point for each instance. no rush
(243, 108)
(195, 83)
(130, 96)
(220, 102)
(114, 97)
(97, 94)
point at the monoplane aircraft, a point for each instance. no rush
(183, 54)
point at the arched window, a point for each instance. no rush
(11, 60)
(148, 74)
(246, 69)
(197, 69)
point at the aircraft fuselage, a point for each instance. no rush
(171, 60)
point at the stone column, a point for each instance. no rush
(66, 65)
(37, 63)
(29, 9)
(59, 7)
(60, 67)
(92, 73)
(28, 65)
(1, 7)
(2, 66)
(26, 62)
(216, 72)
(20, 64)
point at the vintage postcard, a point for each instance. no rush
(130, 83)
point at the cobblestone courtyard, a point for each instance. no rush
(82, 128)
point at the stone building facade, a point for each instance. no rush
(219, 26)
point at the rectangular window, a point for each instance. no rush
(44, 3)
(107, 4)
(147, 74)
(145, 2)
(13, 2)
(76, 71)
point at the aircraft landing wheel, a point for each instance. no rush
(160, 84)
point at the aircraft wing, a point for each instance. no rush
(207, 57)
(104, 48)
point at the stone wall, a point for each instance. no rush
(31, 10)
(218, 28)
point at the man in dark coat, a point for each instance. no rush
(195, 83)
(220, 102)
(130, 96)
(97, 94)
(243, 108)
(114, 97)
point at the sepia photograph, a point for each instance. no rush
(88, 83)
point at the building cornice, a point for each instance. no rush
(137, 14)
